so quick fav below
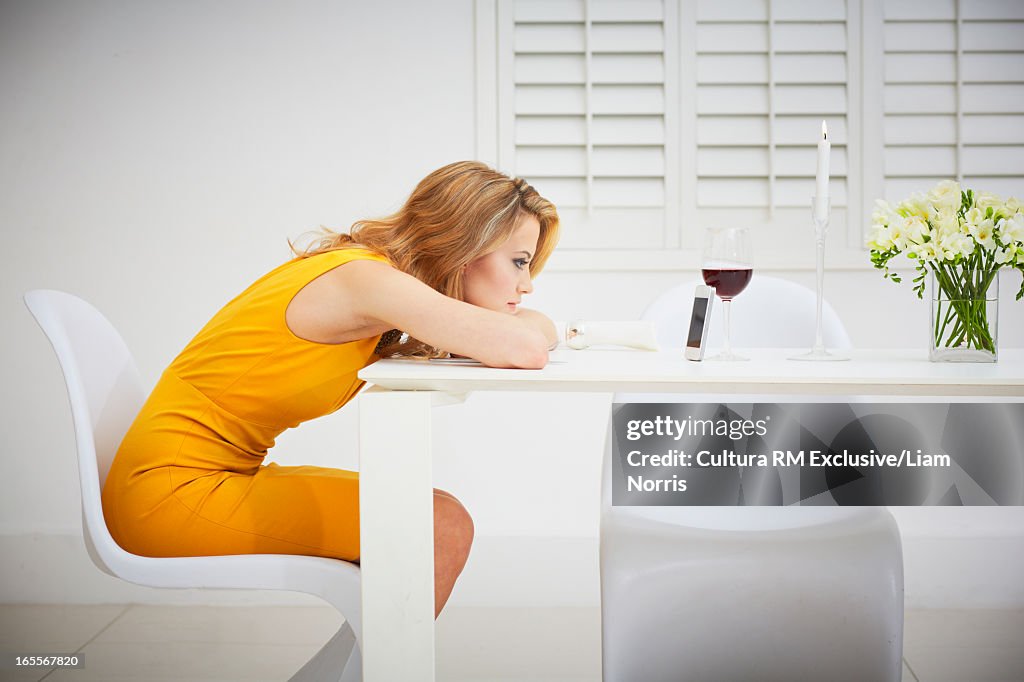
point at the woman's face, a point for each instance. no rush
(498, 280)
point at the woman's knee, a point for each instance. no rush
(452, 523)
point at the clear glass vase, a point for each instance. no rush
(964, 326)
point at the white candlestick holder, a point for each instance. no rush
(820, 218)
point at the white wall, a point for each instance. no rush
(155, 157)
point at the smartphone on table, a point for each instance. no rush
(700, 322)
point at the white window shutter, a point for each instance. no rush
(953, 95)
(768, 72)
(587, 92)
(648, 121)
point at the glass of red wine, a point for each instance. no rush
(727, 267)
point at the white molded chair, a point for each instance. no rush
(770, 312)
(734, 594)
(106, 393)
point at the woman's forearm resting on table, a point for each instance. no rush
(541, 322)
(400, 301)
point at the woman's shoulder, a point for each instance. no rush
(342, 255)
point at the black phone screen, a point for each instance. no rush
(700, 309)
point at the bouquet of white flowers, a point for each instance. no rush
(963, 238)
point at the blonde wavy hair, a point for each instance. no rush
(455, 215)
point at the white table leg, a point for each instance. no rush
(396, 508)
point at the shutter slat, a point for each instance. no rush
(899, 188)
(998, 10)
(550, 99)
(625, 192)
(802, 99)
(625, 130)
(627, 99)
(735, 10)
(565, 192)
(935, 67)
(920, 37)
(808, 10)
(993, 99)
(920, 99)
(918, 130)
(732, 99)
(732, 68)
(992, 36)
(549, 10)
(628, 68)
(634, 10)
(736, 38)
(628, 162)
(917, 10)
(551, 130)
(550, 38)
(732, 130)
(918, 161)
(735, 192)
(731, 161)
(550, 68)
(827, 37)
(994, 129)
(821, 68)
(994, 67)
(993, 160)
(640, 37)
(542, 162)
(1004, 186)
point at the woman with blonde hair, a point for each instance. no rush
(445, 274)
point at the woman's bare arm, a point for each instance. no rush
(541, 322)
(377, 294)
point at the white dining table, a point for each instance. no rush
(396, 500)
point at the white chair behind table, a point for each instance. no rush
(749, 593)
(106, 393)
(770, 313)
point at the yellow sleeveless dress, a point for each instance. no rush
(188, 478)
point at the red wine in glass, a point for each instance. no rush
(727, 282)
(727, 267)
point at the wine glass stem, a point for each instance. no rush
(726, 306)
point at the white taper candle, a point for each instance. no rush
(821, 187)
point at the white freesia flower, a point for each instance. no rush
(946, 222)
(917, 205)
(981, 228)
(985, 199)
(884, 213)
(926, 252)
(916, 229)
(946, 195)
(1012, 229)
(955, 244)
(897, 233)
(880, 239)
(1005, 255)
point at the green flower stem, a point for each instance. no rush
(961, 316)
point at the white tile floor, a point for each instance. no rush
(495, 644)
